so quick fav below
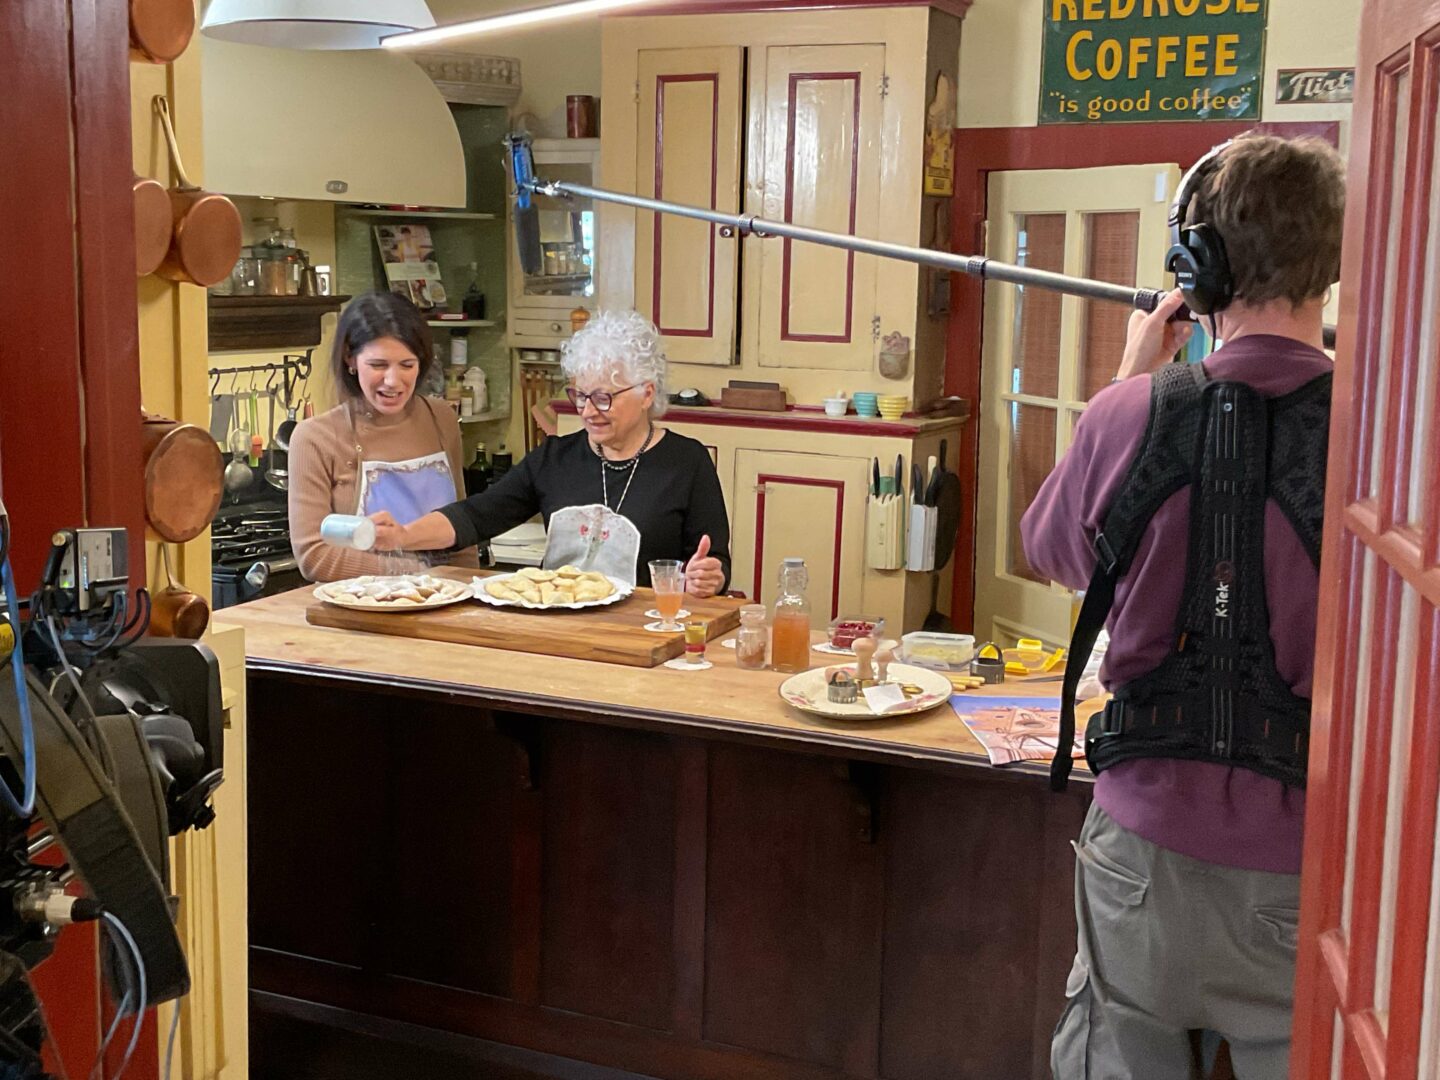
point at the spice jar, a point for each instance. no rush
(752, 639)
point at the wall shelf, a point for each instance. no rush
(452, 215)
(481, 418)
(254, 323)
(461, 323)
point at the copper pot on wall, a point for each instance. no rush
(207, 236)
(160, 29)
(154, 228)
(183, 485)
(175, 611)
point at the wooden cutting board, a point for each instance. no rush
(614, 634)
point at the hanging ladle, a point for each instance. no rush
(276, 477)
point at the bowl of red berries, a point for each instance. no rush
(844, 630)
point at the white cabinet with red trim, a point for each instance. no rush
(817, 117)
(797, 484)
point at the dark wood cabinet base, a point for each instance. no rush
(670, 906)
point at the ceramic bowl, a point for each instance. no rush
(836, 407)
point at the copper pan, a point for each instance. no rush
(154, 228)
(160, 29)
(207, 226)
(175, 611)
(183, 470)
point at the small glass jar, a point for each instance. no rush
(753, 638)
(294, 271)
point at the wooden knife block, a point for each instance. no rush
(766, 397)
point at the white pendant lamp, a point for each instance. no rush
(314, 24)
(515, 20)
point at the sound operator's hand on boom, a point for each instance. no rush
(1152, 340)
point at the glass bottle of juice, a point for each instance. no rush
(790, 629)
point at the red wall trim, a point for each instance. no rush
(800, 481)
(795, 418)
(981, 151)
(795, 80)
(661, 82)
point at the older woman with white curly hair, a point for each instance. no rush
(662, 481)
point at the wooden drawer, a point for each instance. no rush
(540, 330)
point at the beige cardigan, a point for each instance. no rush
(325, 473)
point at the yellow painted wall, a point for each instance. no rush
(1000, 57)
(171, 316)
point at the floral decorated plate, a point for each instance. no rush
(807, 691)
(543, 590)
(398, 593)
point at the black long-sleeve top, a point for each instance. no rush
(674, 499)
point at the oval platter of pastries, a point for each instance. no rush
(542, 590)
(402, 592)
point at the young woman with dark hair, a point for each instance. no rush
(383, 447)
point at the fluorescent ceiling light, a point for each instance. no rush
(493, 23)
(313, 24)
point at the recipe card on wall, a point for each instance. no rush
(1128, 61)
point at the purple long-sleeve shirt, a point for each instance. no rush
(1218, 813)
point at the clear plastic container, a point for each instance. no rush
(943, 652)
(845, 629)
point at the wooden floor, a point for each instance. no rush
(293, 1040)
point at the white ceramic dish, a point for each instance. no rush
(622, 590)
(806, 691)
(350, 593)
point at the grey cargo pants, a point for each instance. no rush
(1170, 944)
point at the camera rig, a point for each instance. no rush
(111, 742)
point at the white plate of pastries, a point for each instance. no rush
(403, 592)
(541, 590)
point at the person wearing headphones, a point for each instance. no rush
(1187, 870)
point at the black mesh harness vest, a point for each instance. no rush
(1216, 696)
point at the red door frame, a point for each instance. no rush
(69, 360)
(1337, 971)
(981, 151)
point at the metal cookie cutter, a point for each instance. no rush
(990, 668)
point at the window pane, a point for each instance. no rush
(1380, 377)
(1421, 467)
(1369, 598)
(1112, 243)
(1040, 242)
(1032, 456)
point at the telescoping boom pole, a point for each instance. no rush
(527, 184)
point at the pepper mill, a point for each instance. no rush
(883, 659)
(864, 648)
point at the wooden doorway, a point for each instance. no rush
(1365, 1003)
(1046, 356)
(983, 151)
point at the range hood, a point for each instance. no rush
(361, 127)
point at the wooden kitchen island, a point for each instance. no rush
(669, 873)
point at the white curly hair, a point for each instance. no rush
(621, 347)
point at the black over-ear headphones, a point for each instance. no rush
(1197, 251)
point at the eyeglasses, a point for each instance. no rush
(601, 399)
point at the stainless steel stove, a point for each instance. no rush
(250, 552)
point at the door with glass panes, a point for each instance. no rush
(1046, 355)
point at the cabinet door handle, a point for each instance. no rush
(555, 327)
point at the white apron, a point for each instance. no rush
(407, 489)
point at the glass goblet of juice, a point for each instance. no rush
(667, 578)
